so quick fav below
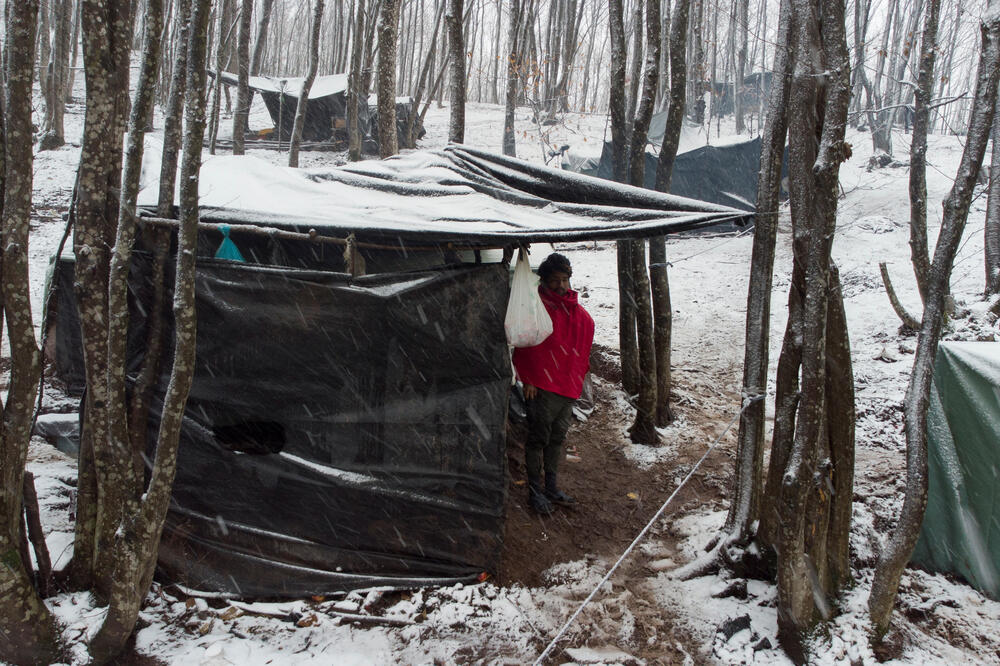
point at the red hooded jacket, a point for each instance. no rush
(561, 361)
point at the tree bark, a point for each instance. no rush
(354, 87)
(513, 68)
(991, 233)
(456, 52)
(662, 314)
(903, 538)
(55, 92)
(648, 405)
(817, 107)
(107, 34)
(635, 75)
(388, 24)
(300, 109)
(678, 87)
(42, 36)
(422, 83)
(121, 475)
(643, 430)
(919, 254)
(260, 42)
(745, 505)
(136, 545)
(619, 136)
(742, 17)
(29, 632)
(243, 97)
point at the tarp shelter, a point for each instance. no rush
(326, 112)
(347, 431)
(724, 174)
(961, 528)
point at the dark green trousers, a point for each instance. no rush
(549, 417)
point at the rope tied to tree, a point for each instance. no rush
(747, 401)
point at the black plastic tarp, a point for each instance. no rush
(340, 432)
(454, 195)
(326, 110)
(724, 175)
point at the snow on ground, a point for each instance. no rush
(942, 620)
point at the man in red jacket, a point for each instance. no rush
(552, 374)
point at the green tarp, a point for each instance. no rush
(961, 533)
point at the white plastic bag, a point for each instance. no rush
(527, 322)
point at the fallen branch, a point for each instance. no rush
(909, 321)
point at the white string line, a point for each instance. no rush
(749, 400)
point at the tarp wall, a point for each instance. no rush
(961, 532)
(340, 432)
(724, 175)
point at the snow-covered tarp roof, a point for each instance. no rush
(456, 194)
(322, 86)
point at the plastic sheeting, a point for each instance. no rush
(961, 533)
(340, 432)
(724, 175)
(457, 194)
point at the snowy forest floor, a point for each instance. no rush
(643, 615)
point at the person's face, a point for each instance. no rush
(558, 282)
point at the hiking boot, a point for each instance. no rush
(559, 497)
(553, 493)
(540, 504)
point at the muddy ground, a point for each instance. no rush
(616, 497)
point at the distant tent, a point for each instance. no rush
(724, 175)
(961, 528)
(348, 431)
(326, 112)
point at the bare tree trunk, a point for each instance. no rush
(745, 506)
(817, 107)
(659, 274)
(644, 429)
(697, 63)
(644, 110)
(107, 35)
(74, 49)
(919, 254)
(300, 109)
(243, 97)
(456, 52)
(881, 128)
(260, 42)
(29, 632)
(216, 109)
(418, 97)
(992, 229)
(635, 74)
(742, 18)
(619, 136)
(120, 482)
(387, 27)
(840, 423)
(55, 93)
(903, 538)
(159, 239)
(513, 68)
(678, 86)
(42, 35)
(354, 89)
